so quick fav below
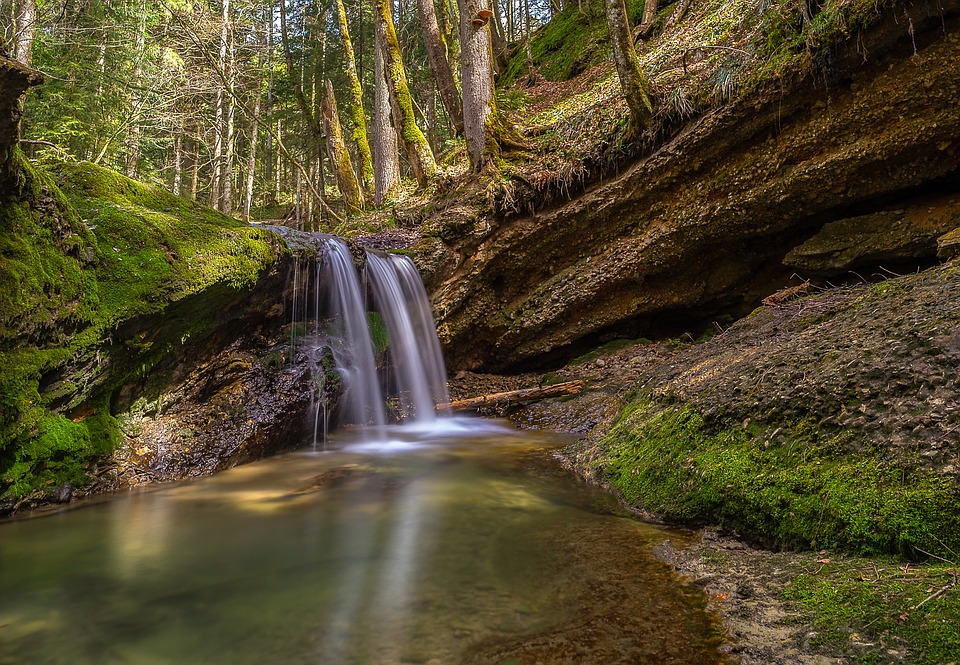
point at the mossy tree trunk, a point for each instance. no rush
(414, 142)
(634, 84)
(439, 65)
(338, 153)
(356, 101)
(386, 174)
(15, 79)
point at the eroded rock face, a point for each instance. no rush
(702, 226)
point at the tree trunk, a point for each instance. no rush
(177, 161)
(252, 157)
(649, 18)
(386, 173)
(230, 147)
(501, 55)
(632, 80)
(339, 155)
(24, 26)
(268, 139)
(356, 102)
(195, 176)
(15, 78)
(414, 142)
(496, 400)
(439, 65)
(480, 114)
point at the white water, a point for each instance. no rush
(331, 310)
(350, 340)
(402, 302)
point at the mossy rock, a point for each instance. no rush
(84, 253)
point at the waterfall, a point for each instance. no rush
(350, 340)
(332, 318)
(414, 348)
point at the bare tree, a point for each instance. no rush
(634, 84)
(484, 128)
(386, 173)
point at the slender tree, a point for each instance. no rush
(356, 100)
(386, 160)
(414, 142)
(24, 27)
(634, 84)
(338, 153)
(439, 65)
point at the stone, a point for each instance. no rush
(948, 245)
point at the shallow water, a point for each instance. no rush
(466, 544)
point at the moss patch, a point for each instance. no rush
(790, 487)
(870, 611)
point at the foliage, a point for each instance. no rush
(790, 488)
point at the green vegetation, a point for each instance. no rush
(74, 268)
(793, 487)
(860, 608)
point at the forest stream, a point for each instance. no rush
(462, 542)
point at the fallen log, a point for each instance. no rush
(514, 396)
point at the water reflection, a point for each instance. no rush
(432, 547)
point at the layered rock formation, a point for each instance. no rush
(722, 214)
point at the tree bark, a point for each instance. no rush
(484, 128)
(15, 79)
(501, 55)
(439, 65)
(386, 173)
(24, 25)
(414, 142)
(252, 157)
(356, 101)
(634, 84)
(339, 155)
(177, 161)
(649, 18)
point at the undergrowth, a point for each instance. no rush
(795, 487)
(878, 611)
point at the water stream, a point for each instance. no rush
(458, 542)
(439, 542)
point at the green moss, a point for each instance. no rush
(859, 609)
(72, 268)
(801, 488)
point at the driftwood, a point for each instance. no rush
(514, 396)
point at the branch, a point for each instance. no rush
(514, 396)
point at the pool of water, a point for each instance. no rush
(462, 543)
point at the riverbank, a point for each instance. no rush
(822, 427)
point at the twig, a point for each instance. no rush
(35, 142)
(936, 594)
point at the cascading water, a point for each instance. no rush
(331, 318)
(402, 302)
(350, 340)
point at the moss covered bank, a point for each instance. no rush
(101, 279)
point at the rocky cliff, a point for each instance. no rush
(853, 168)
